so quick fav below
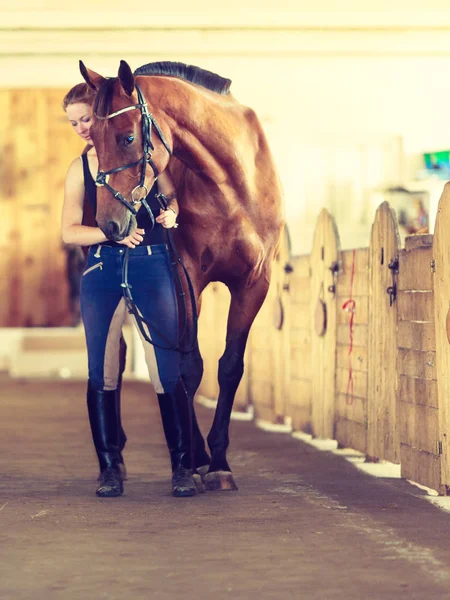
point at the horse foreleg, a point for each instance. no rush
(244, 306)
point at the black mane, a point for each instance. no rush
(207, 79)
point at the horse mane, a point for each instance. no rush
(104, 97)
(195, 75)
(190, 73)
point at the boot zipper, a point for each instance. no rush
(96, 266)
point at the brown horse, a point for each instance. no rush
(229, 194)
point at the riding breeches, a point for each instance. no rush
(103, 311)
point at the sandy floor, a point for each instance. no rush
(304, 523)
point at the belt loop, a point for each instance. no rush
(149, 250)
(99, 249)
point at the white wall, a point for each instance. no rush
(349, 99)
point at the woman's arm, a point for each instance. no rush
(168, 217)
(73, 232)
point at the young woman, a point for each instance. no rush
(103, 310)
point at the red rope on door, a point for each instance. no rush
(350, 306)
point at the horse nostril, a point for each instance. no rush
(112, 231)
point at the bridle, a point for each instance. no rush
(147, 121)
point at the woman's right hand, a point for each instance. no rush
(134, 239)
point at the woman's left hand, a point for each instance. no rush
(167, 218)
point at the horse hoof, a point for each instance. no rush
(202, 471)
(198, 480)
(220, 480)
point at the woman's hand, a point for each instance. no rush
(134, 239)
(167, 218)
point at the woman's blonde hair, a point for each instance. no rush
(80, 93)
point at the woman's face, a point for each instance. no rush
(80, 117)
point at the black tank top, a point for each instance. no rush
(157, 235)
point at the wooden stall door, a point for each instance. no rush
(351, 351)
(269, 345)
(382, 418)
(299, 409)
(324, 268)
(418, 412)
(37, 146)
(441, 256)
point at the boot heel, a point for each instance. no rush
(183, 484)
(111, 484)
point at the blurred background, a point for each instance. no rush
(354, 102)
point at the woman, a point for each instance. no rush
(103, 310)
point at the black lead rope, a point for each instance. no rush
(141, 321)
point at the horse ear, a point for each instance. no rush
(93, 79)
(126, 77)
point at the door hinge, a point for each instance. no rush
(439, 447)
(433, 265)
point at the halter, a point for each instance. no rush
(147, 121)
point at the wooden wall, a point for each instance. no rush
(416, 365)
(37, 145)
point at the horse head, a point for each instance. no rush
(129, 157)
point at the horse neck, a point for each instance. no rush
(202, 125)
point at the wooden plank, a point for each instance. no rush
(416, 390)
(441, 253)
(261, 397)
(300, 404)
(357, 359)
(301, 339)
(382, 429)
(359, 382)
(421, 467)
(300, 316)
(415, 306)
(350, 434)
(360, 285)
(415, 270)
(360, 335)
(301, 266)
(416, 364)
(10, 285)
(419, 427)
(416, 336)
(301, 363)
(300, 290)
(361, 261)
(325, 253)
(351, 408)
(418, 240)
(360, 314)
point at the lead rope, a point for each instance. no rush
(141, 321)
(350, 306)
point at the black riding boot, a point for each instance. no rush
(177, 423)
(105, 433)
(122, 435)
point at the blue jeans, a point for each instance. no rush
(103, 311)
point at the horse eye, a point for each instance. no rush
(129, 139)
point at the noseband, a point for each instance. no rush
(147, 121)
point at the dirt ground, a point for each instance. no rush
(304, 524)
